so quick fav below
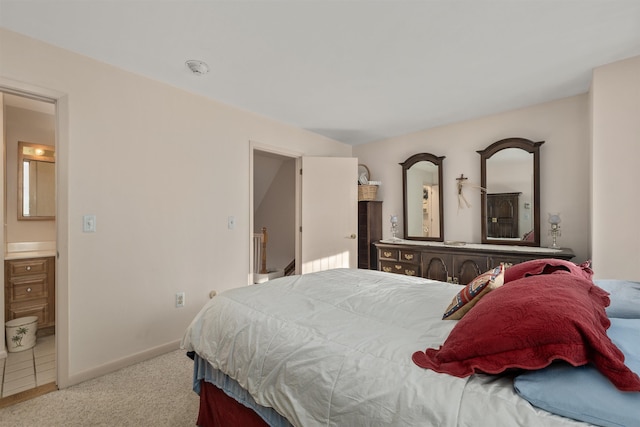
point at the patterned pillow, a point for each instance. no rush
(473, 291)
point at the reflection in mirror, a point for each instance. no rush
(509, 174)
(510, 207)
(422, 194)
(36, 181)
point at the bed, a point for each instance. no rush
(344, 347)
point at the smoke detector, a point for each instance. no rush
(197, 67)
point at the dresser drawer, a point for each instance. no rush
(389, 254)
(400, 268)
(28, 288)
(27, 266)
(37, 307)
(409, 256)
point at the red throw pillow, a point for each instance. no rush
(530, 323)
(547, 266)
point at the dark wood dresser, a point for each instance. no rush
(369, 231)
(454, 264)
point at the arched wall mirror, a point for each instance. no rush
(510, 170)
(36, 181)
(422, 196)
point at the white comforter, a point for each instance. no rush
(334, 349)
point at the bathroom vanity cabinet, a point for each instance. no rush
(30, 289)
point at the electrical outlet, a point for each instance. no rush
(180, 299)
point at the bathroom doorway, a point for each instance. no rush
(29, 242)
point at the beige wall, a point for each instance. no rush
(562, 124)
(161, 169)
(37, 128)
(615, 119)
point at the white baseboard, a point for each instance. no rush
(107, 368)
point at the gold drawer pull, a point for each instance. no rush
(398, 267)
(28, 268)
(408, 256)
(410, 272)
(387, 269)
(386, 254)
(28, 289)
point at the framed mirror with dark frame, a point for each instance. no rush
(36, 181)
(422, 197)
(510, 174)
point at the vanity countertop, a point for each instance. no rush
(29, 254)
(23, 250)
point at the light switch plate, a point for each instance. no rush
(89, 223)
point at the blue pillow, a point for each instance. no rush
(625, 298)
(583, 393)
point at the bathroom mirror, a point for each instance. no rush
(422, 196)
(36, 181)
(510, 173)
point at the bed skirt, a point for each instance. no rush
(223, 402)
(219, 410)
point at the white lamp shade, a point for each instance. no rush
(554, 218)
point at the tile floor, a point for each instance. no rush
(28, 369)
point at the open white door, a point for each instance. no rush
(329, 213)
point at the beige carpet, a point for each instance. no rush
(152, 393)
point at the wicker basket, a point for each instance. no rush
(367, 192)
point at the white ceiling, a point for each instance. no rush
(355, 71)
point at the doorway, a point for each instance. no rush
(324, 198)
(273, 200)
(29, 242)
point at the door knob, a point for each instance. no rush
(353, 236)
